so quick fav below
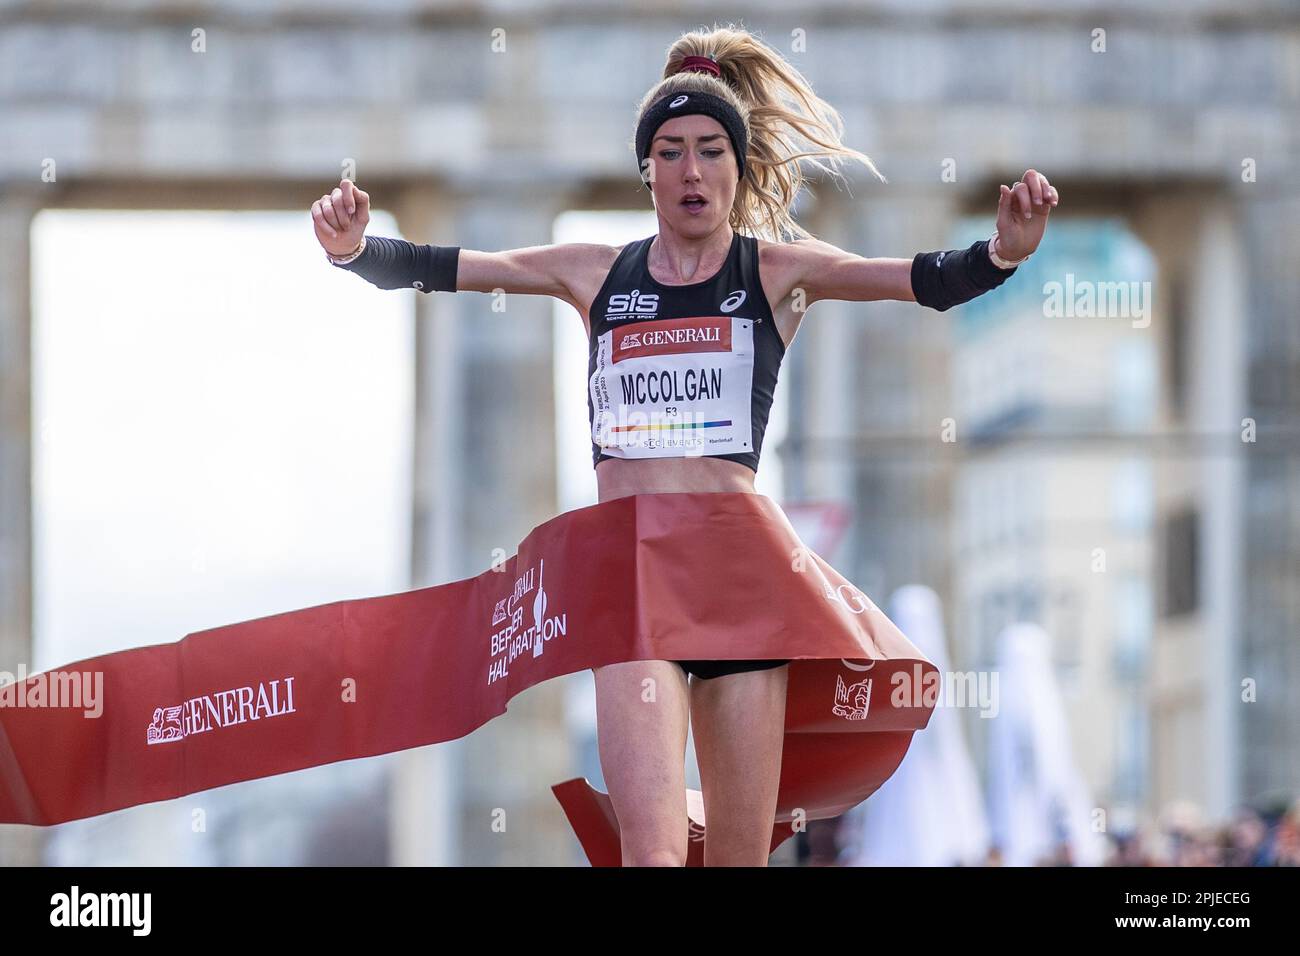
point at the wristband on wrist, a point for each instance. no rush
(344, 260)
(996, 259)
(400, 264)
(941, 280)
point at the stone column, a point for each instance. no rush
(874, 386)
(485, 476)
(1217, 307)
(1268, 617)
(423, 791)
(19, 846)
(510, 472)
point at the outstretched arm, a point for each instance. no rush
(824, 271)
(340, 220)
(939, 280)
(532, 270)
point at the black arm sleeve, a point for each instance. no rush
(398, 264)
(941, 280)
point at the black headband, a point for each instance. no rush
(687, 104)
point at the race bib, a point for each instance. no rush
(674, 387)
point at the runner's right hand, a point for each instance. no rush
(340, 218)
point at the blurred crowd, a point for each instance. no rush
(1254, 836)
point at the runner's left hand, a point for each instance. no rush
(1022, 214)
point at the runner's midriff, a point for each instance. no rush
(620, 477)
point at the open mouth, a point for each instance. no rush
(695, 204)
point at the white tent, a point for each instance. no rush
(929, 813)
(1037, 799)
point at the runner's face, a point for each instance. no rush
(695, 174)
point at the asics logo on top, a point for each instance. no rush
(678, 102)
(631, 305)
(733, 302)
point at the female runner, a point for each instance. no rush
(687, 330)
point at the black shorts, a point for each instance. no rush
(711, 669)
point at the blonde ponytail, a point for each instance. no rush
(787, 123)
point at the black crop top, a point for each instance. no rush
(676, 371)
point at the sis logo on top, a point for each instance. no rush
(634, 305)
(631, 305)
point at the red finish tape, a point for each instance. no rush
(677, 576)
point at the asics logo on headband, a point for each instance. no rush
(733, 302)
(678, 102)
